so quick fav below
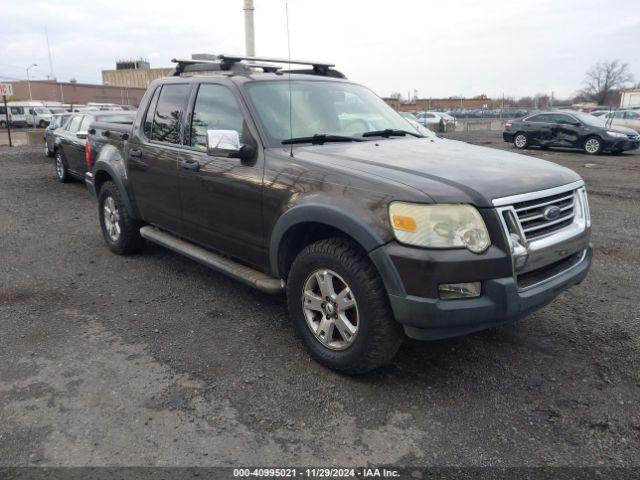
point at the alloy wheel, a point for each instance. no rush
(592, 145)
(520, 141)
(59, 166)
(330, 309)
(111, 218)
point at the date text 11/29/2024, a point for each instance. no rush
(316, 472)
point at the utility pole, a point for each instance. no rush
(249, 35)
(46, 34)
(29, 81)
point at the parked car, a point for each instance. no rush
(411, 118)
(57, 121)
(623, 118)
(370, 233)
(438, 121)
(69, 141)
(570, 130)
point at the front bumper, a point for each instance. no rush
(621, 145)
(508, 136)
(501, 302)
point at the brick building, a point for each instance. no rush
(76, 93)
(443, 103)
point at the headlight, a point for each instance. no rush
(439, 226)
(616, 134)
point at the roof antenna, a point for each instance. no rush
(286, 10)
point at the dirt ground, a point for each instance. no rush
(154, 360)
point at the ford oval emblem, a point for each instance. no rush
(552, 212)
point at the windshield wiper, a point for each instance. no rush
(320, 138)
(391, 132)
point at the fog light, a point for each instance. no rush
(448, 291)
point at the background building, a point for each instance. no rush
(630, 98)
(133, 74)
(443, 103)
(76, 93)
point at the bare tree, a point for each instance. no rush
(604, 79)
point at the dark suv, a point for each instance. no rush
(308, 183)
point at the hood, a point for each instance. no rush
(625, 130)
(448, 171)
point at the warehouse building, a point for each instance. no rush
(133, 74)
(75, 93)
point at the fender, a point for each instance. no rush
(349, 224)
(103, 166)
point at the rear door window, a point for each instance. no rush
(151, 111)
(74, 125)
(86, 121)
(536, 119)
(167, 119)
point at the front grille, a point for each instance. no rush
(532, 217)
(635, 138)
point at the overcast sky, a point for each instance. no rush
(440, 48)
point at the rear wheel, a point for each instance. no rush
(61, 167)
(42, 124)
(3, 124)
(521, 140)
(119, 229)
(593, 145)
(340, 309)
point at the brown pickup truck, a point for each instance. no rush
(302, 181)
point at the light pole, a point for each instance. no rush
(249, 36)
(29, 81)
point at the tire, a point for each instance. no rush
(42, 124)
(340, 266)
(521, 140)
(120, 231)
(3, 124)
(593, 145)
(61, 167)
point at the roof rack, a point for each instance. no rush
(245, 64)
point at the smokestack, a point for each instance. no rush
(249, 37)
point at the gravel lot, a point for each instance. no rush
(154, 360)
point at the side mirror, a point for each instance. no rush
(82, 135)
(226, 143)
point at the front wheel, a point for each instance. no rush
(593, 145)
(521, 140)
(120, 231)
(339, 307)
(3, 124)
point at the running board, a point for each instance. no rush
(242, 273)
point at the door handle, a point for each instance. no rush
(135, 152)
(192, 165)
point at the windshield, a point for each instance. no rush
(42, 110)
(589, 119)
(321, 107)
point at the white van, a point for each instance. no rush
(32, 114)
(17, 116)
